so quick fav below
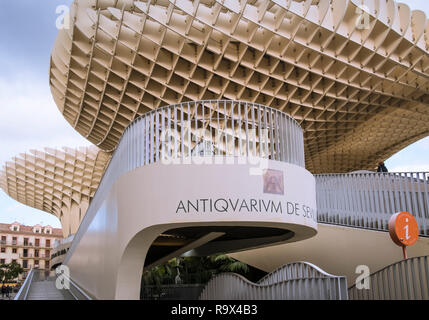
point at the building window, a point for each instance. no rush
(14, 250)
(3, 239)
(2, 261)
(48, 243)
(3, 250)
(15, 228)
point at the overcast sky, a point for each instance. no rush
(29, 118)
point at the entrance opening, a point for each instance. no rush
(185, 278)
(208, 240)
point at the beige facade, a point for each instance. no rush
(60, 182)
(30, 246)
(340, 68)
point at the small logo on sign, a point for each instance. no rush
(403, 229)
(273, 182)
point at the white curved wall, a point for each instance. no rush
(107, 256)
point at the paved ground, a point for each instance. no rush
(46, 290)
(11, 296)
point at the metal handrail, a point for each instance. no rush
(291, 285)
(295, 270)
(368, 199)
(25, 288)
(78, 288)
(405, 280)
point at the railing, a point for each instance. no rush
(367, 200)
(189, 130)
(59, 242)
(34, 256)
(212, 128)
(59, 253)
(404, 280)
(23, 291)
(75, 290)
(295, 270)
(172, 292)
(22, 244)
(296, 281)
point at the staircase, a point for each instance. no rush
(46, 290)
(39, 287)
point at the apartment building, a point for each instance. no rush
(30, 246)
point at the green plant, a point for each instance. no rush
(193, 269)
(228, 264)
(10, 271)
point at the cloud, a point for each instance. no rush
(411, 168)
(29, 118)
(12, 208)
(414, 158)
(417, 5)
(11, 211)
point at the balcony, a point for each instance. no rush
(34, 256)
(38, 245)
(42, 256)
(13, 243)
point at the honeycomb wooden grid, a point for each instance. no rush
(60, 182)
(359, 94)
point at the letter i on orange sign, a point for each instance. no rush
(403, 230)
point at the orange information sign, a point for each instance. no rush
(403, 230)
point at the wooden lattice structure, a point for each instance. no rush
(354, 74)
(60, 182)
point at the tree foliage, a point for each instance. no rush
(193, 269)
(10, 271)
